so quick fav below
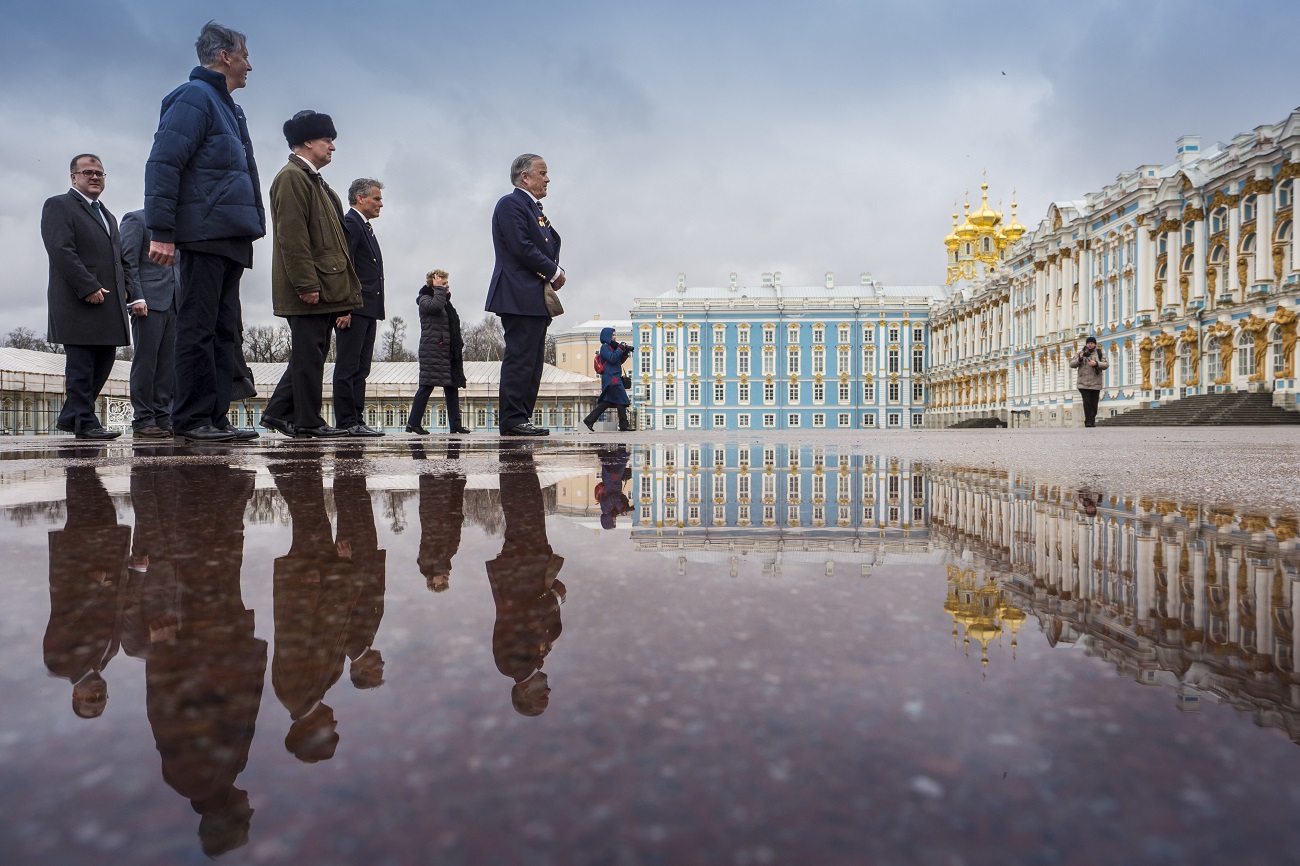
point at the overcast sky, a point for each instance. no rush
(700, 138)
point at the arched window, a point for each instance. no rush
(1245, 355)
(1285, 193)
(1213, 360)
(1186, 371)
(1275, 350)
(1248, 207)
(1219, 220)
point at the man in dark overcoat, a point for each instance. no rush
(88, 293)
(354, 334)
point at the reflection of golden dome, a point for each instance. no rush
(1013, 616)
(986, 217)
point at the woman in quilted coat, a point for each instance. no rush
(441, 353)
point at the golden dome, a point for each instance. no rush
(1014, 230)
(951, 241)
(986, 217)
(966, 231)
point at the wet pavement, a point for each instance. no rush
(1025, 647)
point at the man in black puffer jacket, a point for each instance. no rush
(202, 195)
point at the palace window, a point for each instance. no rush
(742, 362)
(843, 334)
(1285, 193)
(693, 393)
(868, 419)
(693, 362)
(742, 393)
(1245, 355)
(670, 362)
(670, 392)
(719, 422)
(845, 419)
(893, 333)
(769, 419)
(670, 336)
(693, 420)
(1275, 345)
(869, 360)
(844, 395)
(742, 335)
(719, 393)
(792, 335)
(769, 361)
(1185, 369)
(894, 360)
(719, 334)
(769, 335)
(868, 392)
(843, 361)
(895, 419)
(819, 392)
(645, 360)
(1219, 220)
(793, 420)
(918, 392)
(769, 393)
(918, 333)
(719, 361)
(918, 360)
(1248, 208)
(693, 335)
(792, 361)
(894, 392)
(793, 391)
(742, 421)
(917, 419)
(868, 333)
(818, 335)
(819, 361)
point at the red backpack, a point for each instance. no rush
(598, 363)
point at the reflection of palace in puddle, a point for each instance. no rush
(741, 502)
(1169, 592)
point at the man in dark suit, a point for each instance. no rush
(88, 293)
(153, 331)
(354, 334)
(527, 258)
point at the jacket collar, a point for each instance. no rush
(216, 79)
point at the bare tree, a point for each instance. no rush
(266, 344)
(549, 357)
(125, 353)
(391, 345)
(26, 338)
(485, 340)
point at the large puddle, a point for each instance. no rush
(635, 655)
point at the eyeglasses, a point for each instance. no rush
(91, 172)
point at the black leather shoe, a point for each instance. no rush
(206, 433)
(416, 429)
(282, 427)
(589, 427)
(461, 430)
(241, 434)
(525, 430)
(626, 429)
(362, 430)
(324, 431)
(100, 433)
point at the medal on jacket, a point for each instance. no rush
(541, 222)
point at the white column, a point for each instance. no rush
(1146, 577)
(1264, 238)
(1228, 283)
(1199, 254)
(1145, 268)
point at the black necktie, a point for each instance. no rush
(99, 214)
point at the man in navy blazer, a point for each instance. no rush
(527, 258)
(88, 293)
(354, 334)
(153, 332)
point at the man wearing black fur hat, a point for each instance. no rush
(312, 277)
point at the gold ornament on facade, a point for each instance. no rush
(1288, 170)
(1278, 252)
(1193, 214)
(1258, 186)
(1144, 354)
(1166, 341)
(1167, 226)
(1285, 319)
(1258, 330)
(1160, 295)
(1184, 288)
(1243, 274)
(1211, 278)
(1221, 332)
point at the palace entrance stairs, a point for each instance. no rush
(1241, 408)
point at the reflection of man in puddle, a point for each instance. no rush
(609, 490)
(1086, 501)
(358, 542)
(204, 668)
(87, 578)
(525, 588)
(315, 593)
(442, 515)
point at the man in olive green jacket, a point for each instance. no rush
(313, 283)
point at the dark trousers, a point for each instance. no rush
(85, 370)
(521, 368)
(297, 397)
(450, 396)
(1090, 397)
(154, 338)
(208, 318)
(601, 407)
(353, 349)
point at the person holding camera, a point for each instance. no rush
(1090, 363)
(613, 393)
